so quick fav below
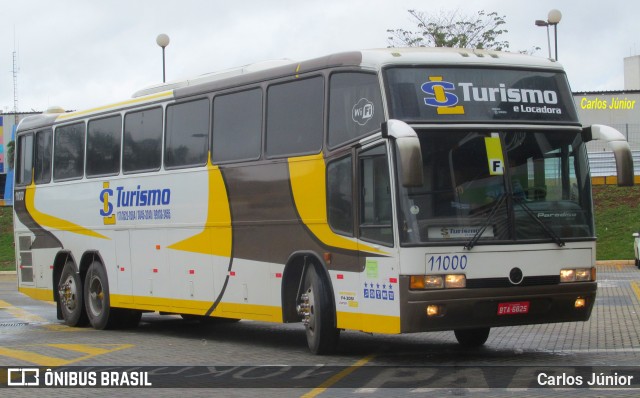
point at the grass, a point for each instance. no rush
(617, 212)
(617, 217)
(7, 254)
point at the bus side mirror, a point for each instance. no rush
(620, 147)
(408, 151)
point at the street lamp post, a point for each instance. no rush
(540, 22)
(163, 41)
(553, 19)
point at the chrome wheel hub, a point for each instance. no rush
(68, 291)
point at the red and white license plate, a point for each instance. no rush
(520, 307)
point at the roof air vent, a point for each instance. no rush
(54, 109)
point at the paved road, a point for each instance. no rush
(255, 358)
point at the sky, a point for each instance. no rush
(79, 54)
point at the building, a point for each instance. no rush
(619, 109)
(8, 124)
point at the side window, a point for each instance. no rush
(42, 172)
(237, 126)
(295, 117)
(142, 147)
(375, 196)
(24, 160)
(355, 107)
(340, 196)
(103, 146)
(187, 134)
(68, 152)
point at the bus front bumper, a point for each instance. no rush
(485, 307)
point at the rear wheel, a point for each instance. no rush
(96, 295)
(70, 297)
(472, 337)
(316, 308)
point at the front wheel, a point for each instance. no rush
(317, 310)
(471, 338)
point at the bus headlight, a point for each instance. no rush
(455, 281)
(575, 275)
(428, 282)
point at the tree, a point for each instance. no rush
(481, 30)
(11, 148)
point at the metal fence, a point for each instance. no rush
(603, 164)
(601, 160)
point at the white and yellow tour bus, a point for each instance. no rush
(385, 191)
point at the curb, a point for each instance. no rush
(615, 262)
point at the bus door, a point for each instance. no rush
(379, 281)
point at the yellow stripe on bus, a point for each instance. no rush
(267, 313)
(164, 94)
(216, 237)
(36, 293)
(46, 220)
(308, 184)
(370, 323)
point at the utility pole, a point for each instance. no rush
(15, 77)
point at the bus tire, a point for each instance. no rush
(471, 338)
(322, 334)
(70, 297)
(96, 295)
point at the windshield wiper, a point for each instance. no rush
(486, 223)
(544, 226)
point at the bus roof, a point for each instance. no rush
(373, 59)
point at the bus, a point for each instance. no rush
(385, 191)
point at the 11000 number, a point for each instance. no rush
(446, 263)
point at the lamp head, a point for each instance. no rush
(162, 40)
(554, 17)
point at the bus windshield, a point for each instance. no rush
(499, 185)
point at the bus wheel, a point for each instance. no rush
(96, 295)
(70, 298)
(472, 337)
(317, 314)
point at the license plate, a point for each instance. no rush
(521, 307)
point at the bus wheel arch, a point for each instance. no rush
(291, 279)
(307, 278)
(58, 264)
